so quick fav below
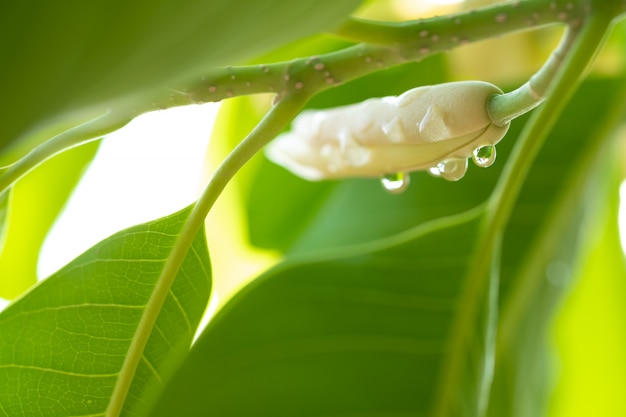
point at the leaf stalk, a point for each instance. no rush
(275, 120)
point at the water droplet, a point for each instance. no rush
(484, 156)
(434, 171)
(452, 169)
(395, 183)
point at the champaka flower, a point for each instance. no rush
(424, 128)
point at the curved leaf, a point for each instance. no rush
(62, 345)
(382, 330)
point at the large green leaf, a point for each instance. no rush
(403, 327)
(62, 345)
(34, 204)
(66, 57)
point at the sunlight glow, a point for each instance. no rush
(212, 307)
(150, 168)
(445, 2)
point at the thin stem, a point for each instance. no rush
(387, 45)
(584, 49)
(503, 108)
(470, 25)
(276, 119)
(501, 202)
(86, 132)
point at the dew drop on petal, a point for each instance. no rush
(395, 183)
(453, 169)
(434, 171)
(484, 156)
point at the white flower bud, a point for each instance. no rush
(413, 131)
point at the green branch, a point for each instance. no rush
(276, 120)
(583, 51)
(385, 45)
(86, 132)
(466, 26)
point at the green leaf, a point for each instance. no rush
(62, 345)
(69, 60)
(596, 307)
(402, 327)
(34, 204)
(4, 203)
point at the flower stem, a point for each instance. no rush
(276, 119)
(481, 274)
(503, 108)
(584, 48)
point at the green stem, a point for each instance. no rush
(387, 45)
(503, 108)
(501, 202)
(86, 132)
(276, 120)
(583, 51)
(469, 25)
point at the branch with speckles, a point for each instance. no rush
(384, 45)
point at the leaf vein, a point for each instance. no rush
(57, 371)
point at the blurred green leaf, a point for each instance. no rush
(4, 203)
(62, 345)
(594, 315)
(377, 330)
(34, 204)
(67, 60)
